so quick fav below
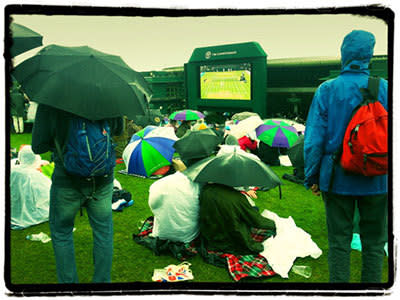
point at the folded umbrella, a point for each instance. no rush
(85, 82)
(149, 150)
(186, 115)
(277, 134)
(197, 144)
(23, 39)
(234, 168)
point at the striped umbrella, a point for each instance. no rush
(149, 150)
(277, 134)
(186, 115)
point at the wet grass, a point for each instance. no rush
(33, 262)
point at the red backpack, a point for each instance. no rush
(365, 142)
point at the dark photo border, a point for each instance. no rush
(248, 288)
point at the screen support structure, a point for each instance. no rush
(226, 89)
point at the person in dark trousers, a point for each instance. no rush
(327, 120)
(18, 100)
(69, 193)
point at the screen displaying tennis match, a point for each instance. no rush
(228, 81)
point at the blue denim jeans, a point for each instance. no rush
(65, 202)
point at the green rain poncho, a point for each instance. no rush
(226, 219)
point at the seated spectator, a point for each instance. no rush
(226, 219)
(269, 155)
(174, 201)
(247, 144)
(183, 128)
(171, 123)
(30, 191)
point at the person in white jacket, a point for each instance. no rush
(174, 201)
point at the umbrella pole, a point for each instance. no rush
(280, 192)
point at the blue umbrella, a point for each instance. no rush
(149, 150)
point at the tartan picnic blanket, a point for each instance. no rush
(239, 266)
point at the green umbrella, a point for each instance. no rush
(23, 39)
(234, 168)
(186, 115)
(85, 82)
(277, 134)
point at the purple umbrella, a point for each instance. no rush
(277, 134)
(186, 115)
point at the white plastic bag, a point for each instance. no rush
(40, 237)
(289, 243)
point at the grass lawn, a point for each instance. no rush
(33, 262)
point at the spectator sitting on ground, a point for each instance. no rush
(226, 219)
(248, 144)
(183, 128)
(269, 155)
(174, 201)
(29, 190)
(171, 123)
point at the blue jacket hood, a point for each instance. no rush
(357, 49)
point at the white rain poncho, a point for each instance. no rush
(174, 201)
(289, 243)
(30, 191)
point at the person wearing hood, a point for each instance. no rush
(329, 114)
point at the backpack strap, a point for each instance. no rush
(370, 95)
(59, 151)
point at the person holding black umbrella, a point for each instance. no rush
(70, 192)
(82, 95)
(226, 219)
(226, 216)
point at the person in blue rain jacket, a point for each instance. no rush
(329, 114)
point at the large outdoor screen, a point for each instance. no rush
(228, 81)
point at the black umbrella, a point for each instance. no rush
(296, 153)
(85, 82)
(197, 144)
(23, 39)
(234, 168)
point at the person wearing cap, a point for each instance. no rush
(329, 114)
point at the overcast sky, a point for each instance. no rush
(153, 43)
